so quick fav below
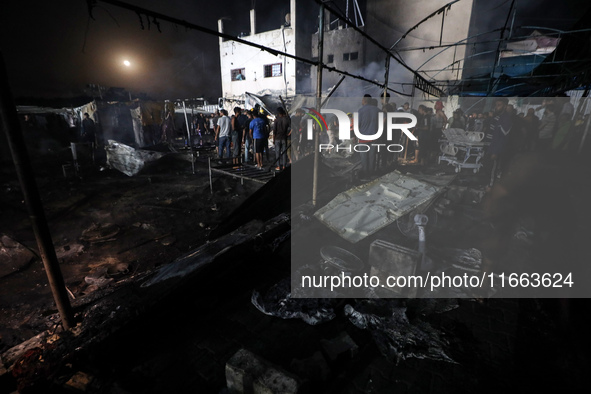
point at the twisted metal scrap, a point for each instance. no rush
(397, 338)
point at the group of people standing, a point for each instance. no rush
(251, 129)
(506, 133)
(428, 130)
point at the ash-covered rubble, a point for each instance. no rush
(278, 302)
(397, 337)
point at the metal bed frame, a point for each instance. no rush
(462, 149)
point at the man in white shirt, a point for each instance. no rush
(405, 108)
(222, 134)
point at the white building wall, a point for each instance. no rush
(339, 42)
(234, 55)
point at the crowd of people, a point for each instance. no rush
(428, 130)
(244, 136)
(550, 127)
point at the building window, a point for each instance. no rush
(273, 70)
(238, 74)
(350, 56)
(330, 59)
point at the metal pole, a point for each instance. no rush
(289, 144)
(284, 106)
(334, 89)
(386, 77)
(74, 156)
(442, 23)
(584, 135)
(24, 170)
(512, 23)
(582, 101)
(498, 53)
(189, 137)
(318, 98)
(347, 10)
(404, 136)
(210, 184)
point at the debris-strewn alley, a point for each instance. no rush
(295, 196)
(200, 330)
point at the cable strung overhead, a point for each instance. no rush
(437, 12)
(155, 16)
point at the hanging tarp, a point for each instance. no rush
(152, 112)
(138, 130)
(535, 44)
(521, 57)
(116, 122)
(61, 124)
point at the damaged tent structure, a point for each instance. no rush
(122, 128)
(137, 123)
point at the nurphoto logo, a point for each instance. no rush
(405, 121)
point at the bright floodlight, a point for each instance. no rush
(126, 63)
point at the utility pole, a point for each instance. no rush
(386, 77)
(318, 100)
(24, 170)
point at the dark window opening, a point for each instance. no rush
(330, 59)
(350, 56)
(238, 74)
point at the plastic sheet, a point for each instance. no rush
(277, 302)
(127, 159)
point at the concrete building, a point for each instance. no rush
(386, 21)
(345, 49)
(248, 69)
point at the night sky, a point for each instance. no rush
(52, 49)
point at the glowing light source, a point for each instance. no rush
(126, 63)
